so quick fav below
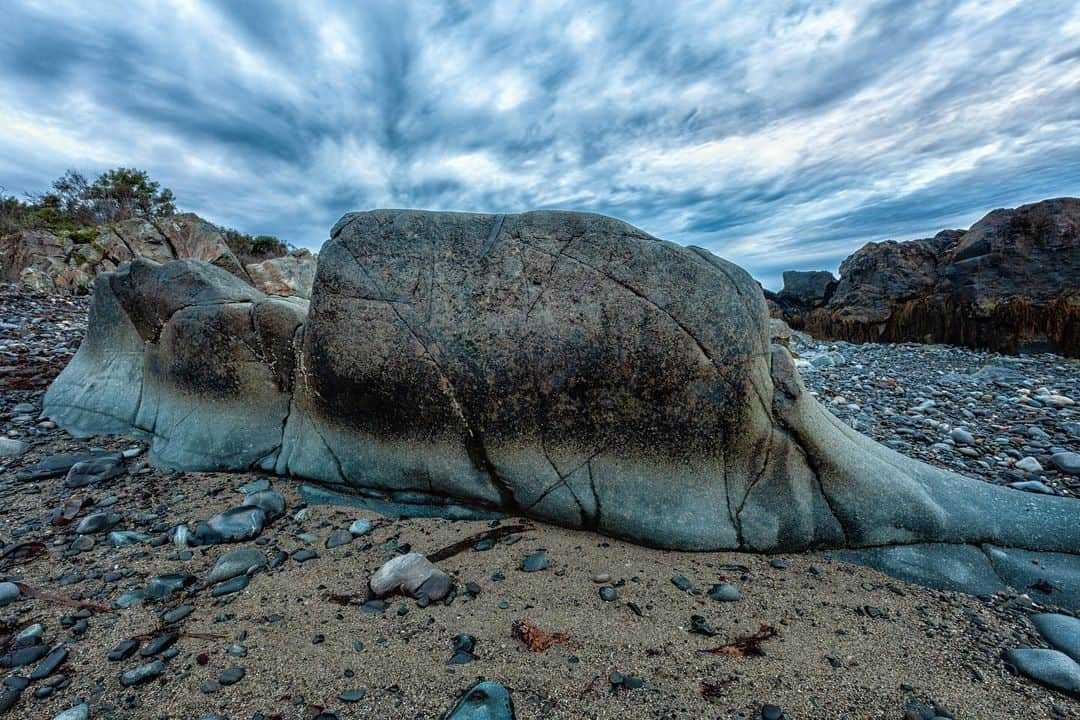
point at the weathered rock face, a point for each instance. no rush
(49, 264)
(1010, 283)
(177, 237)
(559, 365)
(289, 275)
(33, 258)
(188, 355)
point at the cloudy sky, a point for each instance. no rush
(778, 134)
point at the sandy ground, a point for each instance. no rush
(301, 644)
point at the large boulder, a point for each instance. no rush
(1010, 283)
(564, 366)
(289, 275)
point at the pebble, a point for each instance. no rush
(159, 644)
(535, 562)
(79, 712)
(8, 698)
(682, 583)
(142, 674)
(232, 676)
(1066, 462)
(165, 585)
(236, 562)
(1028, 464)
(338, 538)
(48, 666)
(125, 538)
(9, 447)
(177, 614)
(1032, 486)
(9, 593)
(234, 525)
(724, 593)
(229, 587)
(608, 594)
(351, 696)
(123, 651)
(771, 712)
(23, 656)
(92, 472)
(601, 578)
(303, 555)
(960, 436)
(270, 502)
(360, 527)
(463, 650)
(1061, 631)
(1049, 667)
(96, 523)
(257, 485)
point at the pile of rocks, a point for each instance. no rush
(1005, 420)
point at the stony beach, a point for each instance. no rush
(121, 618)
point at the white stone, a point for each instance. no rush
(1028, 464)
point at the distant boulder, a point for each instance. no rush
(1011, 283)
(811, 288)
(289, 275)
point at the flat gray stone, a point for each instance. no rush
(58, 465)
(338, 538)
(165, 585)
(938, 565)
(98, 522)
(229, 587)
(1066, 462)
(486, 700)
(360, 527)
(10, 447)
(92, 472)
(234, 563)
(78, 712)
(1050, 667)
(1061, 631)
(142, 674)
(1027, 571)
(270, 502)
(234, 525)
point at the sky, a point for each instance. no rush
(780, 135)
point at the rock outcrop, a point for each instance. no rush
(564, 366)
(1010, 283)
(47, 263)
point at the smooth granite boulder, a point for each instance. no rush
(563, 366)
(187, 355)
